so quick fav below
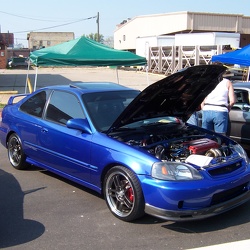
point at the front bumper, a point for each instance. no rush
(186, 215)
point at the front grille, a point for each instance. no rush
(229, 194)
(225, 169)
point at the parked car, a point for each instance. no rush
(239, 116)
(239, 125)
(18, 62)
(134, 148)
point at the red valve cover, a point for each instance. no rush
(201, 145)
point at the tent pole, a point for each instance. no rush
(27, 76)
(147, 75)
(35, 80)
(117, 77)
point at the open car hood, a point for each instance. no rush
(177, 95)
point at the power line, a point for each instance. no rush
(51, 27)
(30, 18)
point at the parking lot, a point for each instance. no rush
(42, 211)
(15, 79)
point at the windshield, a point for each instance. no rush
(105, 107)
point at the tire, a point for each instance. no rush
(123, 194)
(15, 152)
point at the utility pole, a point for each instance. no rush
(98, 32)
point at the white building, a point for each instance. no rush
(126, 34)
(208, 39)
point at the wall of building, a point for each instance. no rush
(38, 40)
(180, 22)
(7, 39)
(18, 53)
(3, 56)
(245, 33)
(144, 43)
(208, 38)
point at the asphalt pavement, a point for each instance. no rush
(20, 81)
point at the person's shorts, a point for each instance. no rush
(215, 120)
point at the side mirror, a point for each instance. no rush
(79, 124)
(246, 107)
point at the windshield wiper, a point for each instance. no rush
(123, 129)
(156, 124)
(120, 129)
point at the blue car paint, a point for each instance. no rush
(85, 157)
(45, 153)
(51, 154)
(195, 195)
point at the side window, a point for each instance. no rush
(241, 99)
(241, 96)
(62, 107)
(35, 104)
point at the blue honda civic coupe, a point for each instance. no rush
(133, 147)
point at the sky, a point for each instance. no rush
(79, 16)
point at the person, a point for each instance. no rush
(216, 106)
(194, 118)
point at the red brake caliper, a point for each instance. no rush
(130, 194)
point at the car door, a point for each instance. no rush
(64, 150)
(29, 122)
(239, 125)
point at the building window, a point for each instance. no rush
(124, 37)
(48, 43)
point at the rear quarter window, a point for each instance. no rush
(35, 104)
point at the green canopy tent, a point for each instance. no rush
(84, 52)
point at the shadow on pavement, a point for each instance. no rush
(234, 217)
(14, 229)
(9, 82)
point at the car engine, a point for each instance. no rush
(177, 144)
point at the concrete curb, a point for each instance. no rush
(9, 92)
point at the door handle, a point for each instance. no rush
(44, 130)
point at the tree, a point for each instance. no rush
(109, 41)
(94, 36)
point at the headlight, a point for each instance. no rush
(241, 152)
(175, 171)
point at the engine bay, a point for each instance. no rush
(176, 144)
